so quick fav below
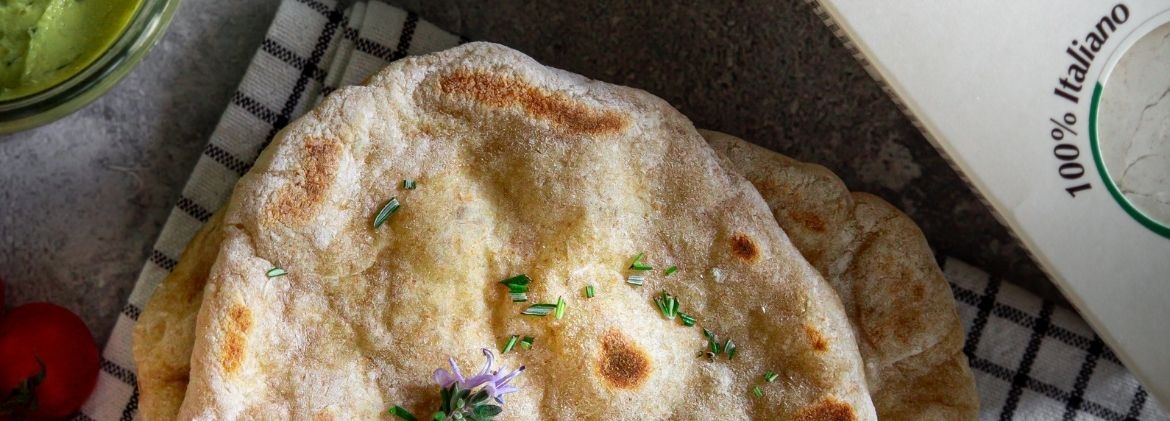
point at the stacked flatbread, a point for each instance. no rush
(526, 169)
(878, 262)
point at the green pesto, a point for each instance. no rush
(45, 42)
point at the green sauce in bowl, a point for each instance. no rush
(45, 42)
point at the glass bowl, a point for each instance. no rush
(142, 31)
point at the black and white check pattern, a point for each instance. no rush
(1031, 358)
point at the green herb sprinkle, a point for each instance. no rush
(511, 343)
(388, 209)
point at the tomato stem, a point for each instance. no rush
(24, 396)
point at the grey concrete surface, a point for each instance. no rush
(82, 200)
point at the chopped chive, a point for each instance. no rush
(667, 304)
(274, 272)
(527, 342)
(388, 209)
(409, 184)
(517, 287)
(758, 392)
(730, 348)
(518, 283)
(511, 343)
(638, 264)
(712, 341)
(770, 376)
(401, 412)
(687, 320)
(589, 292)
(641, 266)
(539, 310)
(560, 311)
(671, 270)
(636, 280)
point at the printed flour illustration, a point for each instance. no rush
(1133, 115)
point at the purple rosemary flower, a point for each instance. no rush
(494, 382)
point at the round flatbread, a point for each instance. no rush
(165, 331)
(520, 169)
(879, 263)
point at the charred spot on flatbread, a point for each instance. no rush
(815, 338)
(622, 363)
(299, 200)
(808, 220)
(828, 409)
(555, 107)
(236, 342)
(744, 248)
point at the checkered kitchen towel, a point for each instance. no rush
(1032, 359)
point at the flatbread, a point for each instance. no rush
(879, 263)
(520, 169)
(165, 331)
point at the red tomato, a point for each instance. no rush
(62, 342)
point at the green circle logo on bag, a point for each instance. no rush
(1129, 126)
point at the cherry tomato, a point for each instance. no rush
(47, 354)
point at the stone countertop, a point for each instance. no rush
(82, 199)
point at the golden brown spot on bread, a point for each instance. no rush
(815, 338)
(918, 292)
(298, 201)
(194, 288)
(241, 317)
(555, 107)
(765, 186)
(239, 323)
(809, 220)
(882, 323)
(622, 363)
(743, 247)
(827, 409)
(323, 416)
